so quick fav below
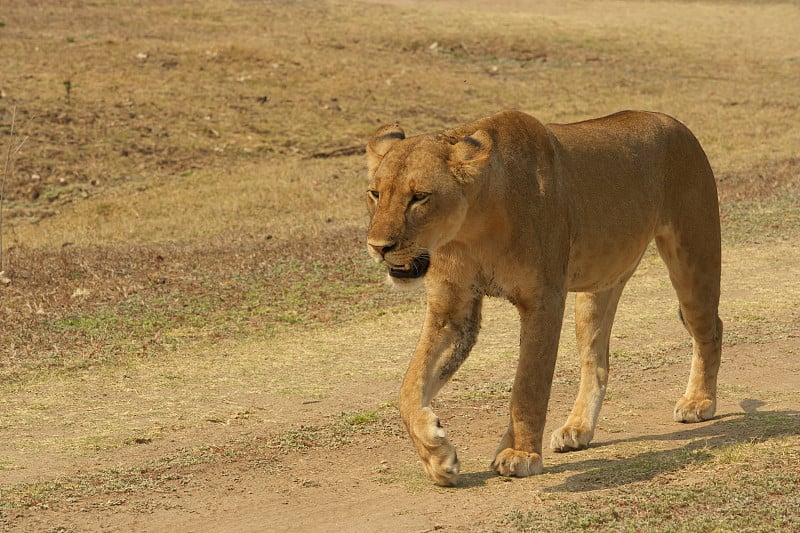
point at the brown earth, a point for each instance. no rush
(273, 463)
(246, 439)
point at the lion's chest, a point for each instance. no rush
(492, 287)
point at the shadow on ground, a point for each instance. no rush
(703, 439)
(723, 431)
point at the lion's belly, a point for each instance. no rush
(603, 261)
(612, 223)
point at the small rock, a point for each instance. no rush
(80, 292)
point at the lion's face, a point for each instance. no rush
(418, 198)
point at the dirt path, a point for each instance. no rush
(274, 452)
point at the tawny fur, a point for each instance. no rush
(506, 206)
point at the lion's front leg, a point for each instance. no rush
(520, 450)
(445, 343)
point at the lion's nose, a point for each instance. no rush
(382, 247)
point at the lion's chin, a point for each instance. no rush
(405, 284)
(411, 275)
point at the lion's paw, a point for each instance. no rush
(569, 438)
(516, 463)
(694, 410)
(438, 456)
(442, 465)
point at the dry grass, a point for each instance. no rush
(176, 162)
(169, 207)
(168, 90)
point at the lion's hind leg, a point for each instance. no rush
(594, 316)
(689, 242)
(694, 269)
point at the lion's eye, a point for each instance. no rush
(420, 197)
(373, 194)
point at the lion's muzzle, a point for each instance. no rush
(416, 268)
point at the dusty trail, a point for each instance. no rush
(370, 480)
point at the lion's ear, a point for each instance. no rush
(380, 143)
(470, 155)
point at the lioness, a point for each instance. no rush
(506, 206)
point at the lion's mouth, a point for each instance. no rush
(416, 268)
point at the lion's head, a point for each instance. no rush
(419, 194)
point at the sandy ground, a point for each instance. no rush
(372, 481)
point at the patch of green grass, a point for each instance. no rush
(132, 319)
(642, 467)
(345, 428)
(107, 320)
(652, 357)
(743, 487)
(359, 419)
(151, 475)
(44, 494)
(754, 222)
(342, 430)
(493, 390)
(297, 439)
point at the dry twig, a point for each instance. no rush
(6, 172)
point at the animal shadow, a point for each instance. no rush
(720, 432)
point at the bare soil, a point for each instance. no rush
(373, 482)
(241, 446)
